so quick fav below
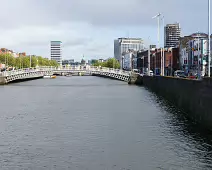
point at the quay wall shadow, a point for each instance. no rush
(192, 96)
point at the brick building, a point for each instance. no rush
(23, 54)
(171, 61)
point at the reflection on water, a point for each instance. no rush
(192, 138)
(89, 123)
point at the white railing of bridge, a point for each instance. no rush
(92, 68)
(77, 68)
(22, 71)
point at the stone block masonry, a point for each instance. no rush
(192, 96)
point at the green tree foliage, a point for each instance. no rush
(24, 61)
(110, 63)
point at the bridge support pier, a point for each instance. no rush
(135, 79)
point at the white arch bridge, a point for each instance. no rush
(27, 74)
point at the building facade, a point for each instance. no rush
(129, 60)
(171, 61)
(172, 34)
(194, 53)
(123, 45)
(56, 51)
(68, 62)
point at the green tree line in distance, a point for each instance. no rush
(110, 63)
(24, 61)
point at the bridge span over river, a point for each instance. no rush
(25, 74)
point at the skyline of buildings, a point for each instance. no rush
(191, 51)
(172, 37)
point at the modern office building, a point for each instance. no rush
(172, 34)
(123, 45)
(56, 51)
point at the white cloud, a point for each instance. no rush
(89, 26)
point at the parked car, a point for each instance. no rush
(135, 70)
(179, 73)
(150, 73)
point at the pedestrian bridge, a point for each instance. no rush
(24, 74)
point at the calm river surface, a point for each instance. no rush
(91, 123)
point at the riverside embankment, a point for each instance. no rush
(192, 96)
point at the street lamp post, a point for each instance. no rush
(198, 65)
(149, 61)
(149, 51)
(209, 38)
(163, 60)
(6, 60)
(158, 18)
(171, 62)
(132, 62)
(143, 64)
(154, 55)
(122, 63)
(37, 62)
(30, 62)
(20, 61)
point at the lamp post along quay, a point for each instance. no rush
(158, 20)
(30, 61)
(143, 63)
(148, 45)
(209, 38)
(161, 61)
(198, 64)
(163, 55)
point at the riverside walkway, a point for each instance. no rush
(24, 74)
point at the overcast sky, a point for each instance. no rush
(89, 27)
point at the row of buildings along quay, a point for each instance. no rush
(188, 53)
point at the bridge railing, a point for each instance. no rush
(88, 68)
(24, 70)
(94, 68)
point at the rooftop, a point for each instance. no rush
(57, 41)
(130, 38)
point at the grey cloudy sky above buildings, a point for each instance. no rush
(89, 26)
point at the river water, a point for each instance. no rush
(91, 123)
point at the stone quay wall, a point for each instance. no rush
(192, 96)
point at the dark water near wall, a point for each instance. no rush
(90, 123)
